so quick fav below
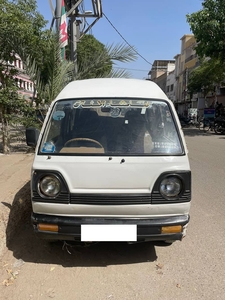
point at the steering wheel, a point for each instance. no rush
(83, 139)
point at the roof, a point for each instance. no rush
(112, 87)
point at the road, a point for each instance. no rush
(191, 269)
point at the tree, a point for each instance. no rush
(12, 107)
(208, 27)
(21, 30)
(88, 51)
(56, 73)
(97, 60)
(21, 33)
(205, 77)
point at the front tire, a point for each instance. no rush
(169, 242)
(218, 129)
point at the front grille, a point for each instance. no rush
(157, 198)
(63, 198)
(110, 199)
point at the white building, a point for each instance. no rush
(171, 86)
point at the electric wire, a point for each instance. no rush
(138, 70)
(126, 40)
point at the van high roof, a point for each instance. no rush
(112, 87)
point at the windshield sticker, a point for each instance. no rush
(111, 102)
(58, 115)
(48, 147)
(143, 110)
(79, 104)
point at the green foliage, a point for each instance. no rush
(96, 60)
(21, 30)
(54, 75)
(13, 107)
(208, 27)
(205, 77)
(21, 33)
(89, 50)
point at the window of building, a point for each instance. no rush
(171, 87)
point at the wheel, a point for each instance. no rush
(169, 242)
(197, 124)
(218, 129)
(82, 139)
(206, 125)
(201, 125)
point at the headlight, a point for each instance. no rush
(49, 186)
(170, 187)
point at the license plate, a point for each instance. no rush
(108, 233)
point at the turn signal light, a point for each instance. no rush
(48, 227)
(171, 229)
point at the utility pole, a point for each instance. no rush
(58, 14)
(75, 17)
(74, 33)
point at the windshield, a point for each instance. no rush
(111, 127)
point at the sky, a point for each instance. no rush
(154, 28)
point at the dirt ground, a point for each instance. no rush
(15, 208)
(15, 172)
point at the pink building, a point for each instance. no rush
(26, 86)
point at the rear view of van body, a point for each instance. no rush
(110, 164)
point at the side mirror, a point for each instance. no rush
(32, 135)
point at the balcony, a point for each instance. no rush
(190, 58)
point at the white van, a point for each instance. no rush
(110, 164)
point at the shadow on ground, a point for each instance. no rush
(24, 244)
(192, 131)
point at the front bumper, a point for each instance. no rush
(69, 228)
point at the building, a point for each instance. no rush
(171, 86)
(186, 61)
(26, 86)
(172, 76)
(176, 74)
(159, 72)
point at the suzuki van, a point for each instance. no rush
(110, 164)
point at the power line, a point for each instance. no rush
(126, 40)
(131, 69)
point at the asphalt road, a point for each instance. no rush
(191, 269)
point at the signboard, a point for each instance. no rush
(192, 112)
(209, 113)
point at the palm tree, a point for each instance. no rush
(56, 73)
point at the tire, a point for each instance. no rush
(201, 125)
(169, 242)
(206, 125)
(218, 129)
(197, 125)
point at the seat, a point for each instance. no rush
(134, 133)
(88, 125)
